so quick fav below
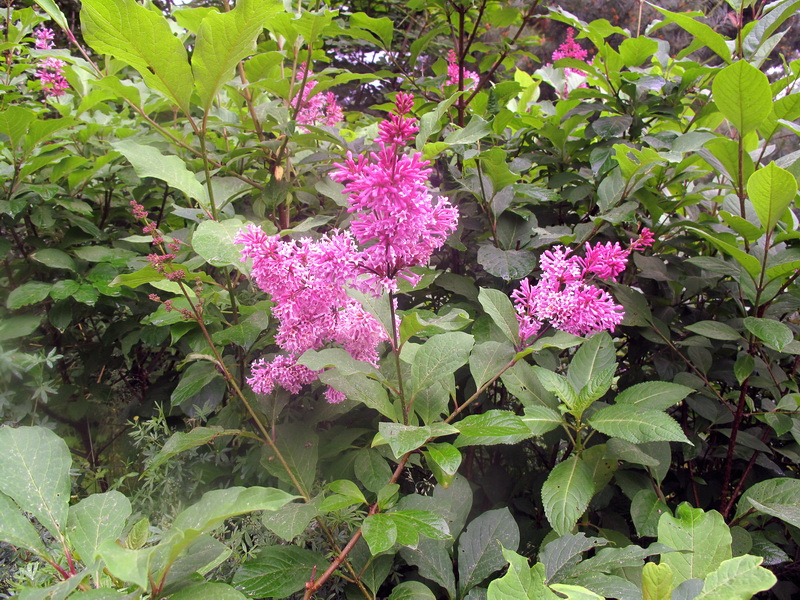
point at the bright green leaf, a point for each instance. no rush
(566, 494)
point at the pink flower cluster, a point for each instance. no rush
(571, 49)
(397, 226)
(307, 280)
(397, 219)
(317, 109)
(454, 73)
(51, 70)
(565, 296)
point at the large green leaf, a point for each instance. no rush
(142, 38)
(149, 162)
(488, 359)
(278, 571)
(521, 582)
(441, 355)
(780, 490)
(790, 512)
(636, 424)
(404, 438)
(214, 241)
(480, 547)
(28, 293)
(95, 520)
(181, 442)
(17, 530)
(702, 541)
(566, 493)
(222, 41)
(498, 306)
(290, 520)
(771, 190)
(702, 32)
(51, 8)
(209, 590)
(299, 446)
(541, 419)
(594, 356)
(443, 460)
(492, 427)
(657, 395)
(411, 590)
(742, 93)
(656, 582)
(34, 472)
(14, 122)
(737, 578)
(560, 555)
(770, 331)
(360, 388)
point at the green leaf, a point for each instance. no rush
(371, 469)
(14, 122)
(17, 530)
(51, 8)
(27, 294)
(566, 493)
(522, 382)
(714, 330)
(595, 355)
(742, 93)
(214, 241)
(278, 571)
(790, 513)
(498, 306)
(488, 359)
(222, 41)
(34, 472)
(380, 532)
(749, 262)
(411, 590)
(656, 395)
(506, 264)
(341, 359)
(491, 427)
(114, 256)
(541, 419)
(180, 442)
(704, 33)
(521, 582)
(476, 129)
(142, 38)
(360, 388)
(299, 445)
(656, 582)
(290, 520)
(646, 511)
(781, 490)
(575, 592)
(595, 389)
(480, 547)
(701, 539)
(382, 27)
(558, 385)
(772, 191)
(55, 259)
(95, 520)
(769, 331)
(209, 591)
(149, 162)
(738, 578)
(443, 460)
(560, 555)
(403, 438)
(195, 378)
(412, 523)
(636, 424)
(128, 565)
(438, 357)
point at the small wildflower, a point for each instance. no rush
(454, 73)
(316, 109)
(571, 49)
(44, 38)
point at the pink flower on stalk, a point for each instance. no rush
(397, 219)
(51, 70)
(307, 280)
(44, 38)
(317, 109)
(571, 49)
(565, 296)
(454, 73)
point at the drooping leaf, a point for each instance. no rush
(34, 472)
(17, 530)
(566, 494)
(142, 38)
(565, 552)
(180, 442)
(411, 590)
(714, 330)
(701, 539)
(498, 306)
(278, 571)
(770, 331)
(28, 293)
(541, 419)
(782, 490)
(480, 547)
(96, 519)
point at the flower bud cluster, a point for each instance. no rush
(51, 70)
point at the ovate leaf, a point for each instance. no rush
(95, 520)
(498, 306)
(278, 571)
(635, 424)
(492, 427)
(738, 578)
(742, 93)
(480, 547)
(656, 582)
(17, 530)
(566, 493)
(771, 190)
(441, 355)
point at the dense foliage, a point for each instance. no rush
(525, 326)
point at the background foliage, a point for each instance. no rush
(658, 461)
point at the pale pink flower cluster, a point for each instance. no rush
(397, 220)
(565, 297)
(319, 109)
(571, 49)
(307, 280)
(51, 70)
(454, 73)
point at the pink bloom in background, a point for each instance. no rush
(565, 297)
(397, 220)
(319, 109)
(454, 74)
(397, 225)
(571, 49)
(307, 280)
(51, 70)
